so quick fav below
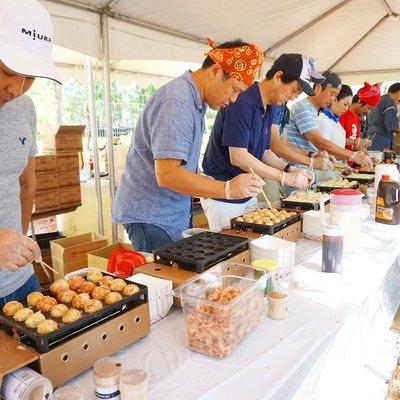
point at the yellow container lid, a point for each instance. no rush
(264, 264)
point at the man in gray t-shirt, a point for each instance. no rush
(25, 52)
(382, 120)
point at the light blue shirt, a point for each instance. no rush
(171, 125)
(303, 119)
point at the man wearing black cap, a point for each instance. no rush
(240, 137)
(303, 123)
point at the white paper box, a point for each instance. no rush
(160, 295)
(272, 248)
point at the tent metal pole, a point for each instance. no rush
(347, 52)
(93, 127)
(305, 27)
(109, 125)
(59, 101)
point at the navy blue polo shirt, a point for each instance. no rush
(244, 124)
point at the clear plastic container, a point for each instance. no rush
(222, 306)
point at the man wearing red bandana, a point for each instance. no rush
(153, 200)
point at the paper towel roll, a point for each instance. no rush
(385, 169)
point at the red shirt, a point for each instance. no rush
(352, 126)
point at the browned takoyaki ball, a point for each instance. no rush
(33, 298)
(71, 316)
(34, 320)
(94, 276)
(130, 290)
(87, 287)
(112, 298)
(58, 285)
(46, 304)
(58, 310)
(11, 308)
(22, 314)
(117, 285)
(80, 300)
(92, 306)
(100, 292)
(105, 280)
(76, 282)
(46, 327)
(66, 296)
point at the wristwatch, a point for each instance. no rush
(287, 168)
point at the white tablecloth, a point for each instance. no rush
(325, 343)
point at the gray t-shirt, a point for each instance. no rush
(383, 118)
(17, 144)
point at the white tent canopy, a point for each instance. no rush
(356, 38)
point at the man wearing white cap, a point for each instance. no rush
(26, 34)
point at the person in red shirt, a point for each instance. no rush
(363, 102)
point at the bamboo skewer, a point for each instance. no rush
(44, 265)
(262, 191)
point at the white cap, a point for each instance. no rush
(332, 230)
(26, 36)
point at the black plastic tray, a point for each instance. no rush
(298, 205)
(330, 188)
(43, 343)
(265, 229)
(202, 251)
(364, 180)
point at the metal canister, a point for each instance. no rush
(26, 384)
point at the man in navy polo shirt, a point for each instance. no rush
(240, 137)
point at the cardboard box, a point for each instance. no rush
(99, 258)
(48, 200)
(67, 162)
(68, 139)
(45, 163)
(69, 178)
(200, 220)
(70, 254)
(46, 181)
(70, 196)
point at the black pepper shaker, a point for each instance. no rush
(332, 249)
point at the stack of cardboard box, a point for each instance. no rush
(57, 171)
(397, 143)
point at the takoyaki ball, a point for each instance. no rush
(76, 282)
(71, 316)
(87, 287)
(22, 314)
(33, 298)
(117, 285)
(58, 310)
(80, 300)
(130, 290)
(100, 292)
(112, 298)
(105, 280)
(66, 296)
(92, 306)
(46, 327)
(34, 320)
(58, 285)
(46, 304)
(94, 276)
(11, 308)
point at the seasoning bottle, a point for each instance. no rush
(106, 373)
(332, 249)
(267, 266)
(388, 201)
(134, 385)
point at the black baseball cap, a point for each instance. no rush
(301, 68)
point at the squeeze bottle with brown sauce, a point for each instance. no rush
(388, 201)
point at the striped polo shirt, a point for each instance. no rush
(303, 119)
